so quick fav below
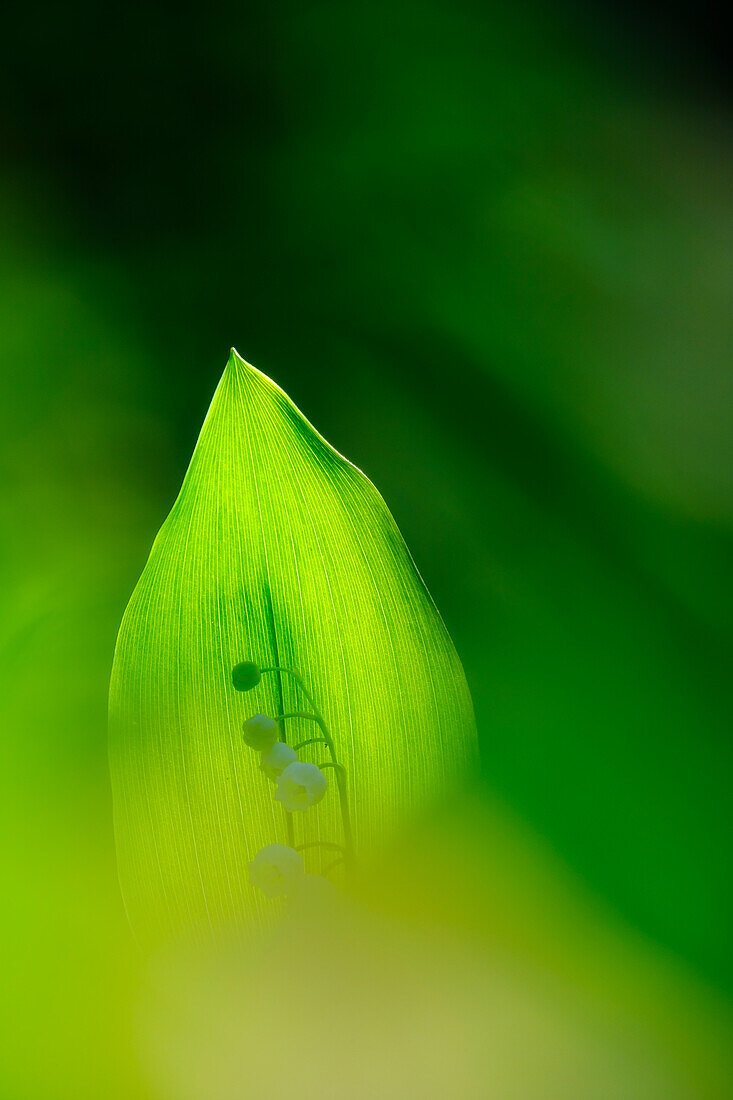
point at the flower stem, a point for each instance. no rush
(319, 844)
(339, 770)
(296, 714)
(310, 741)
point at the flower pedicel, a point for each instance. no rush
(278, 868)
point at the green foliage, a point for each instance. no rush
(278, 552)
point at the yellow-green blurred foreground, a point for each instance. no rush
(487, 250)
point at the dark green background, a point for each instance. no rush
(487, 250)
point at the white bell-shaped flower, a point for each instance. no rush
(260, 732)
(301, 785)
(277, 870)
(276, 759)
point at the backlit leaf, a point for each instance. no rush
(280, 552)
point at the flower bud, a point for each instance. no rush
(301, 785)
(246, 676)
(276, 759)
(276, 869)
(260, 732)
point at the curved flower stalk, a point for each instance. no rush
(276, 547)
(300, 784)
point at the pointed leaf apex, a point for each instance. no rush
(236, 362)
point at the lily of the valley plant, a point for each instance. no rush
(300, 783)
(284, 693)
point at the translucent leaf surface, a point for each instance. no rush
(281, 552)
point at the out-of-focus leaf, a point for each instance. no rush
(281, 552)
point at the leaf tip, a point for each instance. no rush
(235, 360)
(238, 368)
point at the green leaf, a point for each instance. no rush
(280, 552)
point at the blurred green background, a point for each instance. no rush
(487, 249)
